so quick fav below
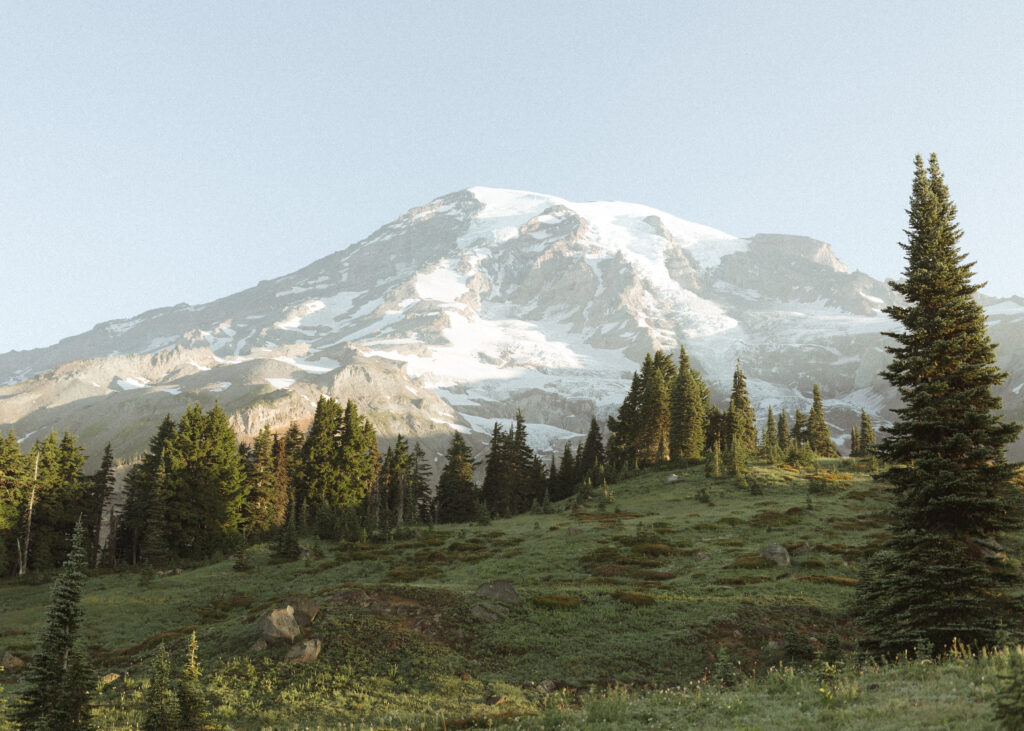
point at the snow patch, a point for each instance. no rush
(281, 382)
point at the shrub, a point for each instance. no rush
(636, 598)
(556, 601)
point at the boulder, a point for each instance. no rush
(278, 625)
(304, 609)
(353, 596)
(800, 549)
(304, 652)
(776, 553)
(110, 678)
(672, 478)
(259, 645)
(547, 686)
(489, 612)
(11, 662)
(499, 591)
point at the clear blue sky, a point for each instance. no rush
(153, 153)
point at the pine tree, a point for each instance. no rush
(713, 465)
(818, 437)
(162, 711)
(770, 448)
(782, 433)
(936, 579)
(456, 493)
(855, 450)
(100, 488)
(59, 679)
(740, 415)
(419, 488)
(798, 435)
(191, 698)
(592, 455)
(287, 546)
(866, 437)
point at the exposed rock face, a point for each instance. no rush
(481, 299)
(278, 626)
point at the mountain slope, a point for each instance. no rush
(477, 303)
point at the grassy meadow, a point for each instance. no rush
(650, 608)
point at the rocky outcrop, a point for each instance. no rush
(278, 626)
(776, 553)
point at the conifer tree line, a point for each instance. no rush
(667, 417)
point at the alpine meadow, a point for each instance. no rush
(426, 492)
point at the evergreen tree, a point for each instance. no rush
(456, 493)
(936, 579)
(59, 679)
(156, 542)
(740, 417)
(205, 483)
(770, 449)
(592, 455)
(866, 437)
(624, 429)
(14, 495)
(713, 464)
(100, 489)
(419, 488)
(855, 450)
(798, 436)
(288, 539)
(496, 487)
(653, 435)
(191, 698)
(818, 437)
(321, 464)
(265, 502)
(567, 472)
(162, 710)
(138, 486)
(782, 433)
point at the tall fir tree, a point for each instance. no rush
(818, 437)
(190, 694)
(866, 435)
(770, 449)
(740, 415)
(456, 492)
(59, 679)
(162, 711)
(592, 455)
(782, 432)
(101, 487)
(938, 577)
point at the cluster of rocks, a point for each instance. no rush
(287, 624)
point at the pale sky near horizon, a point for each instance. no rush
(153, 153)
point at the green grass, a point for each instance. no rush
(631, 619)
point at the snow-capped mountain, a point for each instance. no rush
(479, 303)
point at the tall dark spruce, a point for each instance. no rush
(943, 574)
(59, 678)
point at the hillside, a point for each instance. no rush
(480, 299)
(659, 589)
